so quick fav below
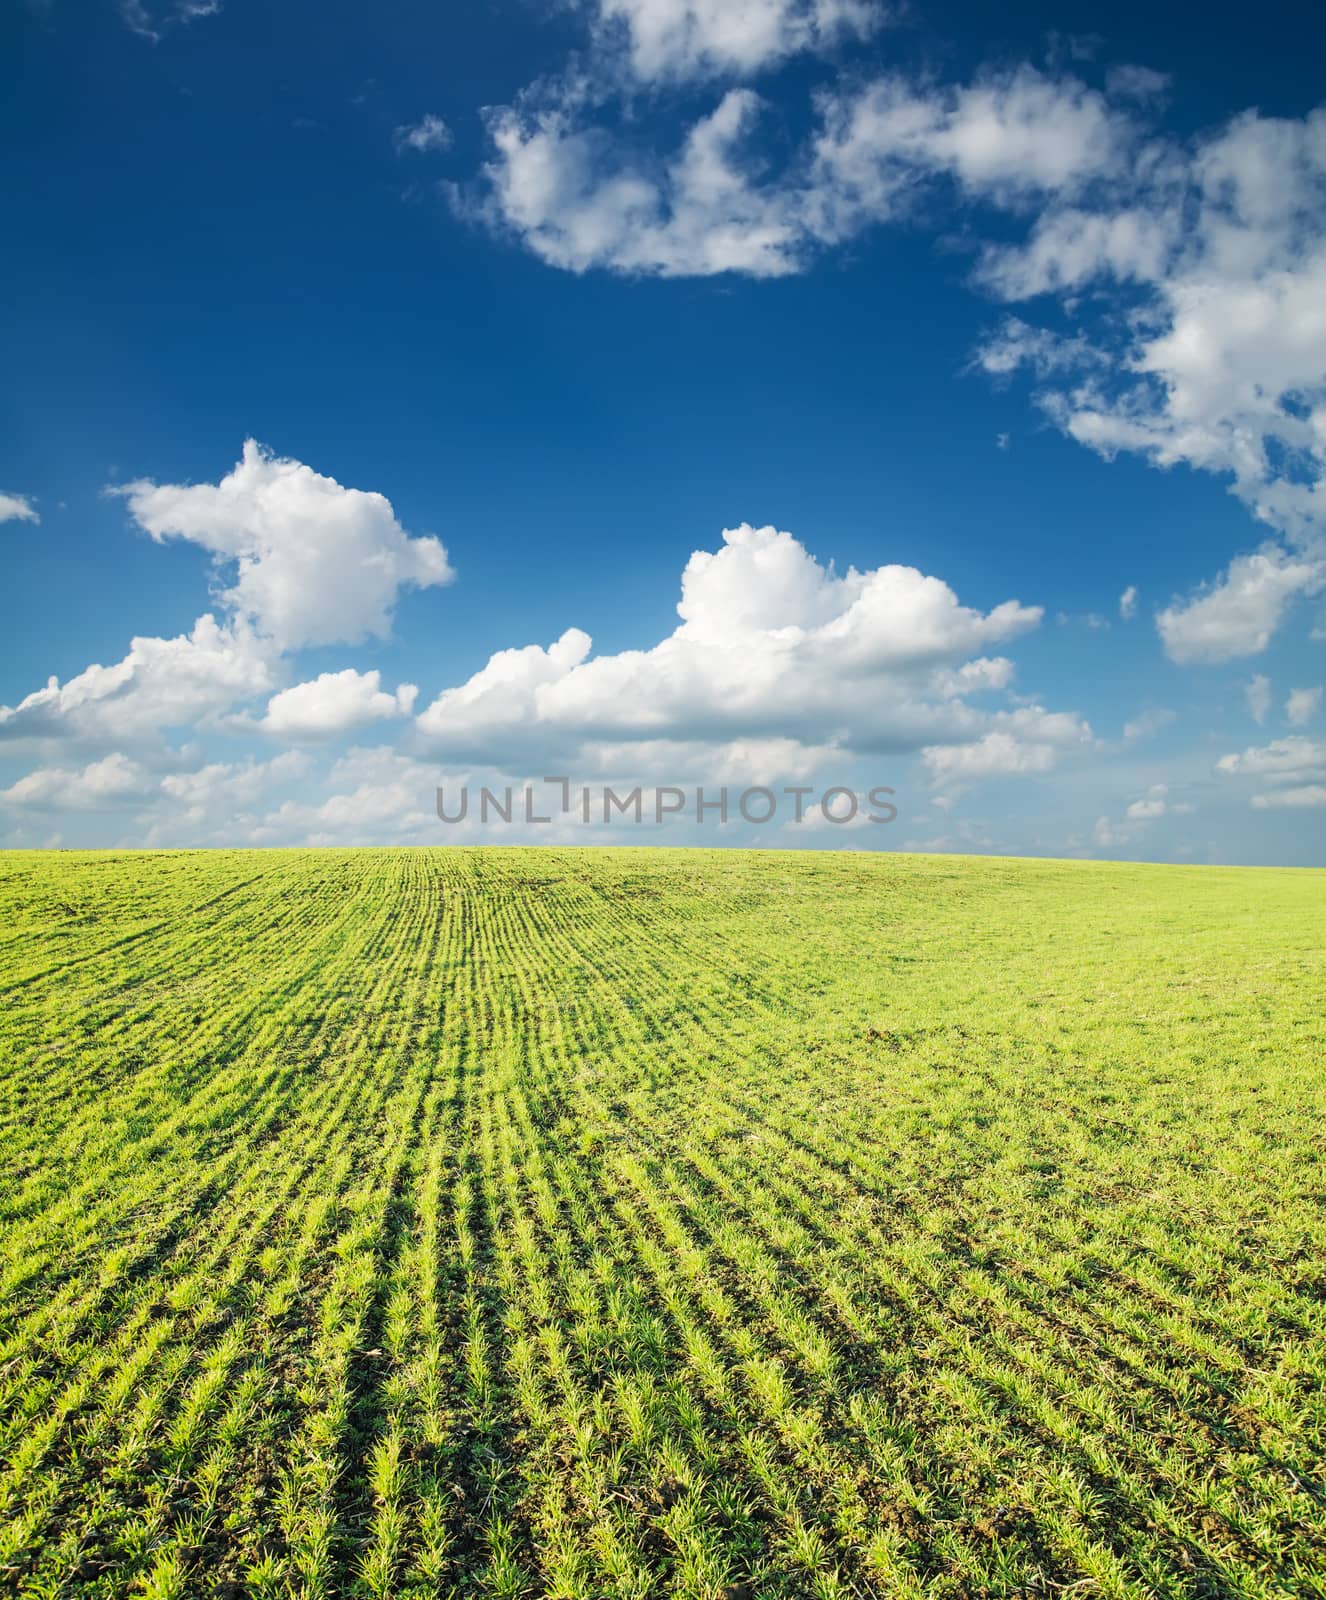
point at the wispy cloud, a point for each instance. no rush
(427, 135)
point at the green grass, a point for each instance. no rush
(633, 1223)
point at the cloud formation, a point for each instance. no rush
(161, 684)
(17, 508)
(671, 41)
(1213, 258)
(1188, 273)
(315, 563)
(1257, 693)
(1302, 705)
(114, 781)
(150, 20)
(771, 645)
(424, 137)
(582, 197)
(1237, 615)
(1294, 767)
(335, 703)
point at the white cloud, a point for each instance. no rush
(375, 793)
(427, 136)
(735, 762)
(1007, 137)
(1290, 760)
(982, 674)
(1228, 235)
(1110, 835)
(160, 684)
(580, 197)
(771, 645)
(579, 201)
(1016, 344)
(1148, 722)
(150, 21)
(315, 563)
(1128, 603)
(1310, 796)
(1156, 803)
(1237, 616)
(17, 508)
(1219, 360)
(673, 40)
(841, 816)
(1130, 82)
(1068, 247)
(116, 780)
(1302, 706)
(221, 802)
(1191, 272)
(1257, 692)
(335, 703)
(994, 755)
(504, 693)
(1147, 809)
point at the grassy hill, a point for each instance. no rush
(633, 1223)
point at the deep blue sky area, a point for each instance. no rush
(216, 234)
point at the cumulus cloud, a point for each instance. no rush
(581, 197)
(1148, 722)
(1238, 614)
(1220, 361)
(315, 563)
(1131, 82)
(504, 694)
(997, 754)
(1006, 137)
(1189, 272)
(159, 685)
(733, 762)
(578, 200)
(428, 135)
(1110, 835)
(115, 780)
(1309, 796)
(1128, 603)
(335, 703)
(370, 793)
(1156, 803)
(771, 644)
(17, 508)
(312, 563)
(1284, 759)
(1015, 345)
(675, 40)
(1301, 706)
(1293, 767)
(1257, 693)
(1067, 247)
(222, 801)
(1149, 807)
(1113, 833)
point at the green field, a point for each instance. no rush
(633, 1223)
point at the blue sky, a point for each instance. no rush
(963, 327)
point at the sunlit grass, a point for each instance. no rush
(629, 1223)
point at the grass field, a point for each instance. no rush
(631, 1223)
